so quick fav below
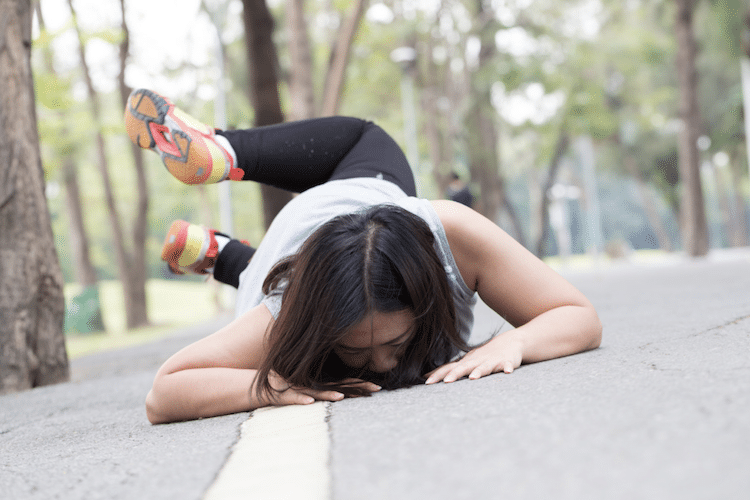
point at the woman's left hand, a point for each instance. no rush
(501, 354)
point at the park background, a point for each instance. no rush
(592, 131)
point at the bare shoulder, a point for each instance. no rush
(453, 214)
(464, 228)
(446, 209)
(473, 235)
(509, 278)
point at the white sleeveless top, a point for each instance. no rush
(311, 209)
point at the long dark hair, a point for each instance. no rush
(382, 260)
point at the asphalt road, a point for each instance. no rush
(89, 439)
(661, 410)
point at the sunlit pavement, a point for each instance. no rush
(659, 411)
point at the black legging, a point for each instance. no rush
(297, 156)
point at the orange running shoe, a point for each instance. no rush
(190, 248)
(187, 147)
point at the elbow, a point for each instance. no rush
(153, 413)
(157, 406)
(595, 330)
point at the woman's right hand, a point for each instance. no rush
(284, 394)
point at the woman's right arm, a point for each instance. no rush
(214, 375)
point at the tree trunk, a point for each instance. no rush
(32, 305)
(485, 163)
(741, 221)
(264, 87)
(436, 134)
(137, 276)
(562, 145)
(134, 298)
(745, 79)
(692, 208)
(455, 88)
(79, 241)
(300, 78)
(481, 164)
(740, 237)
(342, 46)
(725, 210)
(435, 139)
(652, 214)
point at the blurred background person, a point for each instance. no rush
(458, 191)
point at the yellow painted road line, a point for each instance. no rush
(282, 453)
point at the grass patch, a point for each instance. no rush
(171, 304)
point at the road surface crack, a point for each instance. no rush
(724, 325)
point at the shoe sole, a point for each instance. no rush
(152, 122)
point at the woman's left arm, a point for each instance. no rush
(551, 317)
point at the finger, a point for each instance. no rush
(292, 397)
(438, 374)
(508, 367)
(482, 370)
(323, 395)
(352, 381)
(369, 387)
(460, 371)
(443, 368)
(362, 384)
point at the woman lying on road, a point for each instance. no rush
(357, 284)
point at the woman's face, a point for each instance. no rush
(378, 341)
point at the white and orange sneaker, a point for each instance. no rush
(190, 149)
(190, 248)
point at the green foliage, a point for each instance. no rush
(53, 92)
(720, 29)
(112, 36)
(724, 23)
(616, 83)
(198, 303)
